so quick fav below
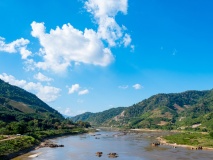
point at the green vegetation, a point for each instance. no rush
(39, 135)
(17, 144)
(24, 114)
(100, 118)
(17, 104)
(190, 110)
(35, 131)
(190, 138)
(24, 142)
(2, 137)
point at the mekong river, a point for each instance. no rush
(132, 146)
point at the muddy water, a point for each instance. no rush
(132, 146)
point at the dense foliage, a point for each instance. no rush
(17, 104)
(14, 145)
(30, 119)
(190, 110)
(100, 117)
(19, 143)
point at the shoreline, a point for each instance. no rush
(160, 139)
(34, 147)
(155, 130)
(164, 142)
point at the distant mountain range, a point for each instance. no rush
(17, 104)
(186, 110)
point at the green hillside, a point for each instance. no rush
(16, 104)
(192, 110)
(99, 118)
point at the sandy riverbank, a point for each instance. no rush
(154, 130)
(164, 142)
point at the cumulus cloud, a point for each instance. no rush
(46, 93)
(65, 45)
(19, 45)
(74, 88)
(86, 91)
(104, 13)
(137, 86)
(42, 78)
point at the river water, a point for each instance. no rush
(132, 146)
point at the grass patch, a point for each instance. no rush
(191, 138)
(17, 144)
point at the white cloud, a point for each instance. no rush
(106, 7)
(74, 88)
(45, 93)
(65, 45)
(42, 78)
(69, 112)
(86, 91)
(19, 45)
(137, 86)
(104, 12)
(127, 40)
(10, 79)
(123, 87)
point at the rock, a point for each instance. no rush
(112, 155)
(99, 154)
(200, 148)
(155, 144)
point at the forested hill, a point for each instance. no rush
(17, 104)
(186, 110)
(100, 117)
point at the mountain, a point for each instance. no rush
(100, 117)
(186, 110)
(17, 104)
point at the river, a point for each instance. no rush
(132, 146)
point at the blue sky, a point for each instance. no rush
(92, 55)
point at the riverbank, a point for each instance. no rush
(155, 130)
(131, 145)
(15, 147)
(189, 140)
(175, 145)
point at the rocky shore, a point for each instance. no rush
(48, 143)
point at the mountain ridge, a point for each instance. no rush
(165, 111)
(17, 104)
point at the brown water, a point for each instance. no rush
(133, 146)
